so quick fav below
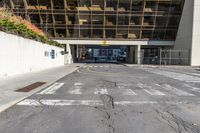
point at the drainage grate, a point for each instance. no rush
(31, 87)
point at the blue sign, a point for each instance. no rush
(52, 54)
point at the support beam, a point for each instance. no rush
(68, 55)
(138, 54)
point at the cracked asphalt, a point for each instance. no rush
(111, 98)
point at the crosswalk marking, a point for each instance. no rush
(123, 90)
(52, 89)
(127, 92)
(175, 75)
(95, 66)
(76, 89)
(175, 90)
(63, 102)
(100, 91)
(150, 90)
(192, 88)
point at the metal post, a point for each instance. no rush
(160, 56)
(170, 56)
(77, 52)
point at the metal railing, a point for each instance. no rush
(164, 57)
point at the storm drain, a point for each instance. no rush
(31, 87)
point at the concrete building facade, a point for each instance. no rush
(133, 31)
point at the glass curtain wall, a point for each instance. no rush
(103, 19)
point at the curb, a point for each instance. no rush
(12, 103)
(162, 66)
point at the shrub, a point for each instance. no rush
(17, 25)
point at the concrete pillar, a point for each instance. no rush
(68, 55)
(138, 54)
(131, 57)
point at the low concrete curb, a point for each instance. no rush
(162, 66)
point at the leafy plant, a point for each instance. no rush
(17, 25)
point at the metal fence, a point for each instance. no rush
(164, 57)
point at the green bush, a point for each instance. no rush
(22, 30)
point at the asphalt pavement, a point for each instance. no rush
(111, 98)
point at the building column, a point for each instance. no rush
(131, 57)
(138, 54)
(68, 55)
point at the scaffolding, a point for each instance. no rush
(103, 19)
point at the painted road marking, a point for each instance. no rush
(192, 88)
(175, 90)
(150, 90)
(31, 102)
(95, 66)
(52, 89)
(60, 102)
(125, 90)
(174, 75)
(100, 91)
(57, 102)
(128, 92)
(76, 89)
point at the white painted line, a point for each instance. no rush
(95, 66)
(57, 102)
(71, 102)
(175, 75)
(29, 102)
(192, 81)
(195, 74)
(128, 92)
(84, 66)
(150, 90)
(175, 90)
(78, 84)
(90, 66)
(76, 89)
(107, 66)
(134, 102)
(100, 91)
(101, 66)
(60, 102)
(52, 89)
(192, 88)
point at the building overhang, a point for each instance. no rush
(117, 42)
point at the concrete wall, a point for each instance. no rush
(195, 52)
(184, 36)
(188, 37)
(19, 55)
